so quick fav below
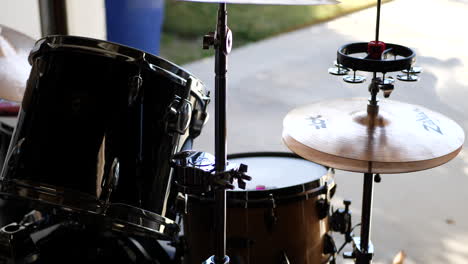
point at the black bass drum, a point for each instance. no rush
(98, 125)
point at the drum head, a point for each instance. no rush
(277, 170)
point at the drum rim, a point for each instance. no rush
(294, 192)
(109, 48)
(89, 205)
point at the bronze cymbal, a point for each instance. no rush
(268, 2)
(14, 66)
(401, 138)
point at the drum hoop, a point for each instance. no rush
(111, 49)
(261, 198)
(242, 200)
(146, 223)
(51, 195)
(142, 222)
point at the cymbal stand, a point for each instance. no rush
(222, 42)
(364, 250)
(363, 247)
(375, 61)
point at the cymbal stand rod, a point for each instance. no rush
(377, 24)
(373, 104)
(366, 249)
(366, 210)
(222, 43)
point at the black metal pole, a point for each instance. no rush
(220, 131)
(366, 215)
(377, 24)
(53, 14)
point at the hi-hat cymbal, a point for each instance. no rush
(269, 2)
(401, 138)
(14, 66)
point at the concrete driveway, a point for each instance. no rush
(423, 213)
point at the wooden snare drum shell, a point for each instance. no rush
(298, 232)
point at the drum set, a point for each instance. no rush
(100, 166)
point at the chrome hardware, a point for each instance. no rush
(270, 215)
(182, 203)
(208, 40)
(11, 159)
(110, 182)
(386, 86)
(178, 116)
(341, 220)
(354, 78)
(413, 70)
(211, 260)
(339, 69)
(285, 259)
(408, 77)
(195, 173)
(135, 92)
(16, 244)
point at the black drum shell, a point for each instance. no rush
(89, 103)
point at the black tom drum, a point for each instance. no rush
(98, 125)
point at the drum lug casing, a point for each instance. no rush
(135, 92)
(322, 205)
(182, 203)
(270, 215)
(323, 208)
(199, 119)
(329, 246)
(200, 115)
(109, 183)
(178, 117)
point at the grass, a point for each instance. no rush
(186, 23)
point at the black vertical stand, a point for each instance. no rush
(53, 14)
(220, 132)
(222, 41)
(365, 252)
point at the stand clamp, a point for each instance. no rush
(340, 221)
(214, 40)
(195, 173)
(358, 255)
(16, 244)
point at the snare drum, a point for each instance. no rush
(274, 220)
(98, 125)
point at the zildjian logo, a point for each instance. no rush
(427, 123)
(317, 122)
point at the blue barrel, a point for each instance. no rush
(135, 23)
